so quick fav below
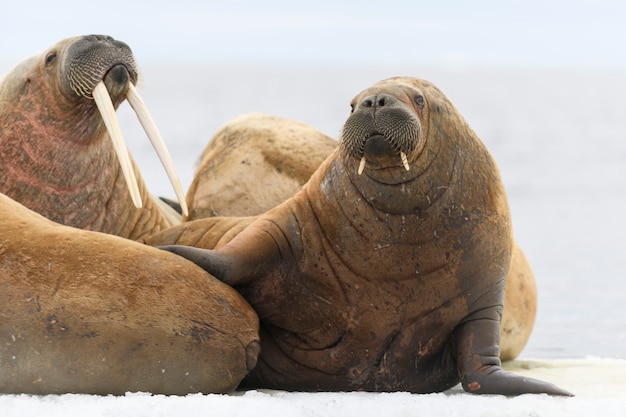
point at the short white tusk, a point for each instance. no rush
(107, 111)
(405, 161)
(361, 166)
(146, 120)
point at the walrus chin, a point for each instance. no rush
(378, 145)
(106, 108)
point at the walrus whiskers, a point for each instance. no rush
(146, 120)
(105, 106)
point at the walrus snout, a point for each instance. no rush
(381, 129)
(91, 57)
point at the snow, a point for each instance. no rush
(600, 385)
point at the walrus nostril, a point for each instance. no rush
(376, 101)
(96, 37)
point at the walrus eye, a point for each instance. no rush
(419, 100)
(52, 56)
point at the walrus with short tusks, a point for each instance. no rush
(87, 312)
(386, 272)
(256, 161)
(61, 150)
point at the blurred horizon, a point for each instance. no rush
(489, 34)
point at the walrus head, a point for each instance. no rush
(92, 59)
(393, 136)
(99, 69)
(384, 130)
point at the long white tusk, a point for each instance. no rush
(405, 161)
(361, 166)
(146, 120)
(105, 106)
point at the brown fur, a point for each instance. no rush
(253, 163)
(390, 280)
(87, 312)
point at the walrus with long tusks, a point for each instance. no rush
(386, 272)
(88, 312)
(83, 311)
(61, 148)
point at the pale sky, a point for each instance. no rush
(480, 33)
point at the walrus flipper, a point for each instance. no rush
(234, 264)
(479, 364)
(208, 260)
(220, 266)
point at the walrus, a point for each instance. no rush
(256, 161)
(87, 312)
(60, 141)
(253, 163)
(386, 272)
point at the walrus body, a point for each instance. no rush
(86, 312)
(257, 161)
(56, 156)
(387, 270)
(253, 163)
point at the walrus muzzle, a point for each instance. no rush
(104, 69)
(378, 126)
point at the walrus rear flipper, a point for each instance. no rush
(479, 364)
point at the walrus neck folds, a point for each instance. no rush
(400, 191)
(412, 197)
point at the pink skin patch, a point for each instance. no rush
(473, 386)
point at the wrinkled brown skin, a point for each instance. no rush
(257, 161)
(55, 154)
(253, 163)
(86, 312)
(386, 281)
